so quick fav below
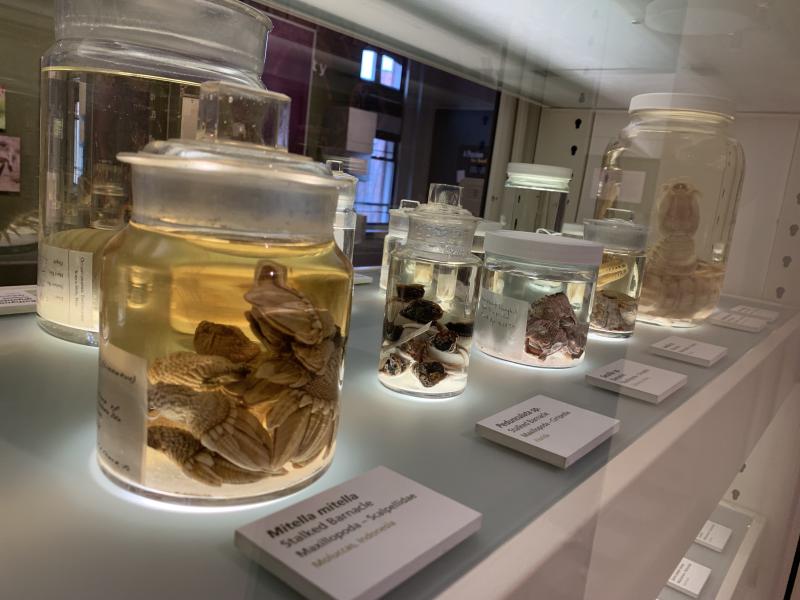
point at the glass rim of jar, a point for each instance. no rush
(559, 265)
(683, 113)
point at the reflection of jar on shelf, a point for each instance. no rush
(396, 236)
(431, 296)
(676, 169)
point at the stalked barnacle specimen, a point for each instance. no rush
(410, 291)
(391, 332)
(227, 341)
(445, 340)
(422, 311)
(393, 364)
(462, 329)
(553, 328)
(429, 373)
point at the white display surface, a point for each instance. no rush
(98, 542)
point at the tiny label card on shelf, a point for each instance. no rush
(689, 577)
(547, 429)
(637, 380)
(714, 536)
(17, 299)
(759, 313)
(690, 351)
(737, 321)
(360, 539)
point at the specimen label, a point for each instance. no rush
(359, 539)
(714, 536)
(637, 380)
(737, 321)
(759, 313)
(501, 323)
(690, 351)
(547, 429)
(689, 577)
(17, 299)
(66, 293)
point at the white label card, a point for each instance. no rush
(66, 289)
(714, 536)
(637, 380)
(500, 324)
(690, 351)
(689, 577)
(547, 429)
(122, 409)
(17, 299)
(360, 539)
(759, 313)
(737, 321)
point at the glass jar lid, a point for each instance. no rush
(398, 217)
(543, 248)
(616, 234)
(540, 176)
(347, 184)
(442, 226)
(687, 102)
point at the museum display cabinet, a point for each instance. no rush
(245, 366)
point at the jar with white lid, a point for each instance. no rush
(677, 170)
(535, 197)
(619, 281)
(396, 236)
(344, 226)
(224, 314)
(536, 298)
(483, 228)
(431, 297)
(120, 75)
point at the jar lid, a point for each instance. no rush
(398, 217)
(616, 234)
(347, 184)
(442, 226)
(485, 227)
(539, 170)
(690, 102)
(541, 247)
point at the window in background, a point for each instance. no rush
(369, 60)
(391, 72)
(374, 196)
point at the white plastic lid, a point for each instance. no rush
(539, 170)
(485, 227)
(543, 248)
(691, 102)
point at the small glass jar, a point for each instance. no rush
(535, 197)
(344, 227)
(121, 74)
(224, 315)
(483, 228)
(396, 236)
(619, 281)
(431, 298)
(676, 169)
(536, 297)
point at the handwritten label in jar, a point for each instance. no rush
(122, 410)
(500, 324)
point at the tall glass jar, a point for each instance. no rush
(676, 169)
(619, 281)
(535, 197)
(396, 236)
(224, 316)
(120, 75)
(431, 297)
(536, 297)
(344, 226)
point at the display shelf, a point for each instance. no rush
(726, 566)
(639, 497)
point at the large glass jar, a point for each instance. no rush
(535, 197)
(431, 296)
(536, 296)
(619, 281)
(224, 315)
(121, 74)
(396, 236)
(676, 169)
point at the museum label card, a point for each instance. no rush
(637, 380)
(17, 299)
(547, 429)
(690, 351)
(689, 577)
(759, 313)
(737, 321)
(360, 539)
(714, 536)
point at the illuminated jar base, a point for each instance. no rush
(70, 334)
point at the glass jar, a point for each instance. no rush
(225, 310)
(396, 236)
(676, 169)
(344, 227)
(120, 75)
(536, 296)
(619, 281)
(483, 228)
(431, 298)
(535, 197)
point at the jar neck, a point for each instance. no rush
(681, 120)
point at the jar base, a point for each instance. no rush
(415, 394)
(70, 334)
(552, 365)
(619, 335)
(185, 500)
(663, 322)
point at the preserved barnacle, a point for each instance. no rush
(429, 373)
(422, 311)
(227, 341)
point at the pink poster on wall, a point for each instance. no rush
(290, 60)
(9, 163)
